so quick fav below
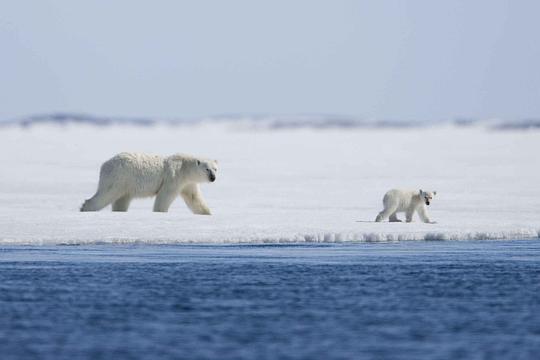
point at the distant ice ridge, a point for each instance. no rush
(316, 121)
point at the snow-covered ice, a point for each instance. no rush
(294, 185)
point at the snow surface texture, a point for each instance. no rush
(304, 185)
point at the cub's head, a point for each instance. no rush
(206, 170)
(427, 196)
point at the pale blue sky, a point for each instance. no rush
(378, 59)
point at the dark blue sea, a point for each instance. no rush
(405, 300)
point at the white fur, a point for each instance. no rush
(408, 201)
(131, 175)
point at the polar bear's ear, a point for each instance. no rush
(434, 193)
(420, 193)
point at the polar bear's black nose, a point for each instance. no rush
(427, 202)
(212, 177)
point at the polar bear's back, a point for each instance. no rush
(140, 174)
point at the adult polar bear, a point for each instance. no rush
(133, 175)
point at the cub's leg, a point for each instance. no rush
(409, 214)
(386, 212)
(394, 218)
(424, 216)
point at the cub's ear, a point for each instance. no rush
(216, 161)
(198, 163)
(434, 193)
(420, 192)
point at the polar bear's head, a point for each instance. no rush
(206, 170)
(427, 196)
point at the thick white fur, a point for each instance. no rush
(131, 175)
(408, 201)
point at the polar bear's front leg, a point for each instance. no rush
(408, 215)
(193, 197)
(164, 198)
(423, 215)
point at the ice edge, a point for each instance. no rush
(322, 237)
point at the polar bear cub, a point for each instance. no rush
(407, 201)
(132, 175)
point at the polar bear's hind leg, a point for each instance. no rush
(394, 218)
(101, 199)
(121, 204)
(89, 205)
